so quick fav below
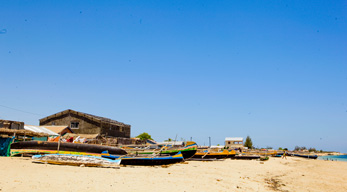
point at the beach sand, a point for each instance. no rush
(276, 174)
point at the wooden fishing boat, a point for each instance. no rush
(305, 156)
(278, 154)
(76, 160)
(245, 157)
(214, 155)
(187, 151)
(44, 147)
(146, 160)
(261, 153)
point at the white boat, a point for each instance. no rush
(76, 160)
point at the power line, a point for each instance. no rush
(21, 110)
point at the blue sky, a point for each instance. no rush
(273, 70)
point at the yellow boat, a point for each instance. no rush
(214, 154)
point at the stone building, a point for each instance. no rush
(84, 123)
(11, 124)
(234, 142)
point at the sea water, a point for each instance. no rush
(334, 158)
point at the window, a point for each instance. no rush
(53, 123)
(228, 142)
(74, 125)
(120, 129)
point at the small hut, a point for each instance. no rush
(7, 136)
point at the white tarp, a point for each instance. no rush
(39, 129)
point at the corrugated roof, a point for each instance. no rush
(40, 129)
(56, 129)
(234, 138)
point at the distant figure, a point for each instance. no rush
(284, 155)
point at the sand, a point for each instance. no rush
(276, 174)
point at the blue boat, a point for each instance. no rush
(145, 160)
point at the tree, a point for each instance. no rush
(144, 136)
(248, 143)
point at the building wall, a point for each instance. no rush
(88, 125)
(234, 144)
(11, 124)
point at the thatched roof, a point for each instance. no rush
(21, 132)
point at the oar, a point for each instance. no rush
(205, 154)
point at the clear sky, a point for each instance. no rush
(273, 70)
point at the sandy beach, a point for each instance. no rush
(276, 174)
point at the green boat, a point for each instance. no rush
(187, 151)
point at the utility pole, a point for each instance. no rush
(175, 141)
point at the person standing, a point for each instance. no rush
(284, 155)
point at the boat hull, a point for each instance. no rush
(76, 160)
(202, 156)
(27, 147)
(159, 160)
(245, 157)
(187, 151)
(186, 154)
(306, 156)
(214, 155)
(134, 161)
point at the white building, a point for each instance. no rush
(234, 142)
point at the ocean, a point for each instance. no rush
(334, 158)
